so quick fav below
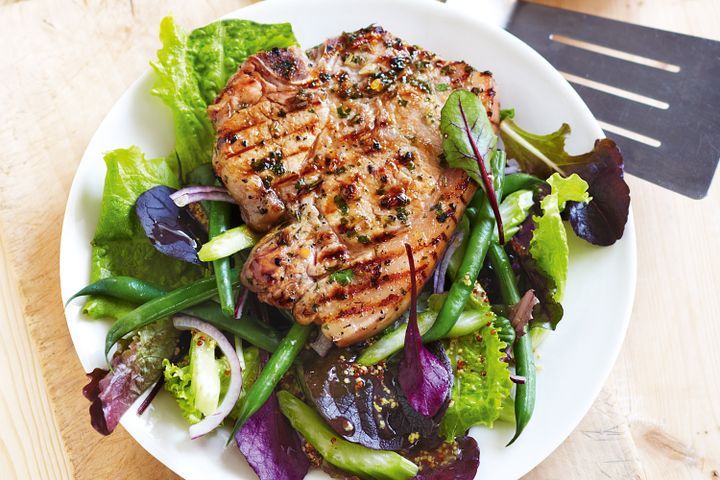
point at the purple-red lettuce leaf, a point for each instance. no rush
(548, 312)
(365, 404)
(522, 312)
(271, 446)
(457, 460)
(134, 369)
(424, 379)
(600, 222)
(170, 229)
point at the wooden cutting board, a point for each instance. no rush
(62, 66)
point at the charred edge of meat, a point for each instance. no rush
(284, 64)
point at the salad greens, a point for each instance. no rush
(271, 446)
(179, 380)
(396, 407)
(549, 245)
(468, 143)
(458, 138)
(120, 246)
(482, 379)
(192, 69)
(424, 378)
(136, 367)
(173, 231)
(601, 222)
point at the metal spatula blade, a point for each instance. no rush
(656, 93)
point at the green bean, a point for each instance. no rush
(218, 223)
(480, 235)
(392, 342)
(163, 306)
(505, 275)
(247, 328)
(461, 288)
(277, 365)
(475, 204)
(137, 291)
(520, 181)
(125, 288)
(505, 330)
(350, 457)
(522, 349)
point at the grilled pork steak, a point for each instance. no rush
(337, 155)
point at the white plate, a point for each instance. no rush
(575, 360)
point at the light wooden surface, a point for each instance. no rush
(62, 66)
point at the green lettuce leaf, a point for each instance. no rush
(120, 246)
(192, 69)
(462, 109)
(549, 245)
(482, 378)
(514, 209)
(178, 382)
(540, 155)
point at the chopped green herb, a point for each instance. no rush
(341, 204)
(343, 277)
(402, 102)
(364, 239)
(442, 87)
(402, 214)
(343, 112)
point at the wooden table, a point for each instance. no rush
(62, 66)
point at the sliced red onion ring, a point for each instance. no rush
(198, 193)
(442, 268)
(212, 421)
(321, 344)
(240, 302)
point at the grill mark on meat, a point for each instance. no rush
(262, 143)
(363, 308)
(337, 253)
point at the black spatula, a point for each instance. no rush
(656, 93)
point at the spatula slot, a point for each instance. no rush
(629, 134)
(618, 92)
(611, 52)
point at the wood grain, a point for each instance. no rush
(64, 63)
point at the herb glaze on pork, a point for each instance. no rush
(337, 155)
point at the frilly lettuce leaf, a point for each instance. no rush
(120, 246)
(482, 379)
(549, 245)
(178, 382)
(191, 70)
